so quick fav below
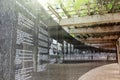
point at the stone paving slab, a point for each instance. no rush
(106, 72)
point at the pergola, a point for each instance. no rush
(93, 22)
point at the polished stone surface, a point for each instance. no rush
(7, 39)
(106, 72)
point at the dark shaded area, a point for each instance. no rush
(87, 61)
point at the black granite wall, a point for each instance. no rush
(25, 29)
(7, 39)
(32, 40)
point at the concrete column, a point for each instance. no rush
(118, 52)
(7, 39)
(63, 53)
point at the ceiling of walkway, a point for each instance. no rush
(93, 22)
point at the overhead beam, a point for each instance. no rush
(101, 44)
(54, 12)
(104, 45)
(90, 30)
(104, 35)
(91, 20)
(107, 47)
(98, 41)
(104, 42)
(103, 38)
(111, 48)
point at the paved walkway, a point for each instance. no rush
(66, 71)
(106, 72)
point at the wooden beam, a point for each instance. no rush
(118, 52)
(104, 45)
(54, 12)
(98, 41)
(103, 38)
(101, 44)
(108, 46)
(106, 29)
(105, 35)
(91, 20)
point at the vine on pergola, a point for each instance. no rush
(87, 7)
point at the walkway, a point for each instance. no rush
(66, 71)
(106, 72)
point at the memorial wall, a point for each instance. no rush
(30, 39)
(32, 43)
(34, 29)
(7, 39)
(25, 41)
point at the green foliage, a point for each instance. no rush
(73, 35)
(78, 3)
(57, 1)
(69, 4)
(110, 5)
(96, 6)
